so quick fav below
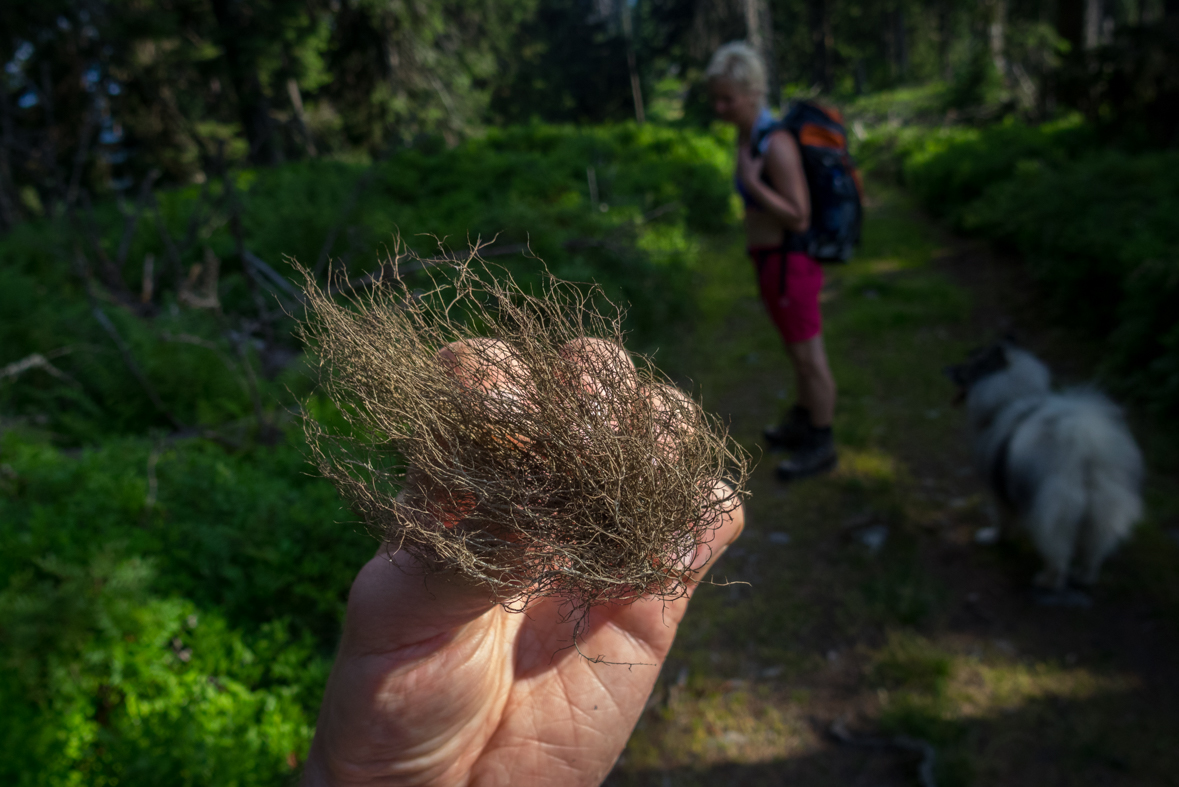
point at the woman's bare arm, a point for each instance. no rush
(786, 197)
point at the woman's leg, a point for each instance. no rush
(816, 385)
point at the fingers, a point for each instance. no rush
(602, 366)
(487, 365)
(672, 411)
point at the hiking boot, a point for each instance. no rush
(816, 457)
(792, 433)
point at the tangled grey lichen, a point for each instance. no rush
(509, 437)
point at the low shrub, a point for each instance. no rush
(168, 613)
(656, 189)
(1094, 226)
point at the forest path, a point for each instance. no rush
(870, 600)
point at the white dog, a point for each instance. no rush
(1064, 463)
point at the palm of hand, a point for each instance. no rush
(445, 689)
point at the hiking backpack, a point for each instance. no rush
(831, 177)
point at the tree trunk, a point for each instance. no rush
(1070, 23)
(300, 116)
(253, 106)
(901, 51)
(820, 25)
(636, 85)
(1093, 19)
(998, 37)
(9, 207)
(945, 20)
(759, 32)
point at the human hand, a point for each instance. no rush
(435, 683)
(749, 168)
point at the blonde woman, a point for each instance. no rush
(772, 183)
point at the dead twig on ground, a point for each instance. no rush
(38, 361)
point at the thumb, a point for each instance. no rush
(396, 602)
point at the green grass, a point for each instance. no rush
(824, 627)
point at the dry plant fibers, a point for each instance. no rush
(508, 436)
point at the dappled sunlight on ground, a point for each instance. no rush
(870, 596)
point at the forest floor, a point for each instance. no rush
(865, 602)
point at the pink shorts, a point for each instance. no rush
(790, 290)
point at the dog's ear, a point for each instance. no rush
(994, 360)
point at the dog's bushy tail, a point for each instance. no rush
(1111, 473)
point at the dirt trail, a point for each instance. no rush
(869, 601)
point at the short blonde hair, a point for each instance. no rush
(739, 62)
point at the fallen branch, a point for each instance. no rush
(272, 275)
(37, 361)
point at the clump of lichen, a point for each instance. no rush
(509, 437)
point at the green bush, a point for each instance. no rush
(950, 167)
(1095, 228)
(1084, 228)
(520, 185)
(181, 637)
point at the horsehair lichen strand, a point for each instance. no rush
(535, 458)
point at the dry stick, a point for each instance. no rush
(274, 276)
(357, 189)
(37, 361)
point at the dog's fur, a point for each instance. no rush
(1064, 463)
